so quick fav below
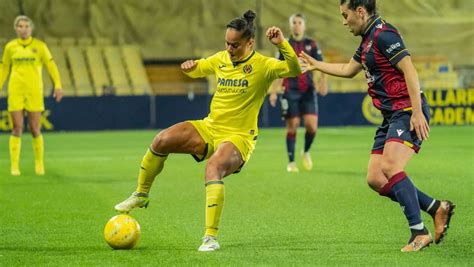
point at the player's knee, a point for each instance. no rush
(161, 141)
(291, 130)
(370, 180)
(374, 182)
(214, 170)
(311, 129)
(35, 130)
(17, 130)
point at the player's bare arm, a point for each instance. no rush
(276, 85)
(321, 84)
(347, 70)
(418, 121)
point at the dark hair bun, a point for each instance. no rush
(250, 16)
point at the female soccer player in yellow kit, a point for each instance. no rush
(26, 56)
(227, 136)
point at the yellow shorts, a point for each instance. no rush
(214, 137)
(25, 101)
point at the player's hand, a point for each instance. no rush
(275, 35)
(323, 88)
(188, 65)
(273, 99)
(307, 62)
(420, 125)
(58, 94)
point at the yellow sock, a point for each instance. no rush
(15, 149)
(214, 206)
(151, 166)
(38, 149)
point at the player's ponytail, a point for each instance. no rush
(244, 24)
(250, 16)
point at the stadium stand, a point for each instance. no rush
(47, 83)
(87, 69)
(118, 75)
(169, 80)
(436, 73)
(80, 74)
(67, 42)
(85, 41)
(136, 70)
(101, 41)
(51, 41)
(97, 69)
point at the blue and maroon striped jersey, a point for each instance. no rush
(379, 52)
(303, 82)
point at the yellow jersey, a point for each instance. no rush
(242, 86)
(26, 58)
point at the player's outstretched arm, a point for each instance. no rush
(199, 68)
(275, 36)
(347, 70)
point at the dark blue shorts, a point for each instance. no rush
(396, 128)
(300, 103)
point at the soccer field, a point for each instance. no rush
(328, 216)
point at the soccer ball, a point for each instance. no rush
(122, 232)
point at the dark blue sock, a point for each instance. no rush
(406, 195)
(308, 140)
(427, 203)
(290, 146)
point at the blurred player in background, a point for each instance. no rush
(26, 56)
(395, 91)
(227, 136)
(300, 98)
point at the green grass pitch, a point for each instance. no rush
(328, 216)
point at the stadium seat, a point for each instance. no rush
(67, 42)
(84, 41)
(102, 41)
(3, 42)
(136, 70)
(79, 71)
(343, 85)
(116, 67)
(59, 56)
(170, 80)
(97, 69)
(51, 41)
